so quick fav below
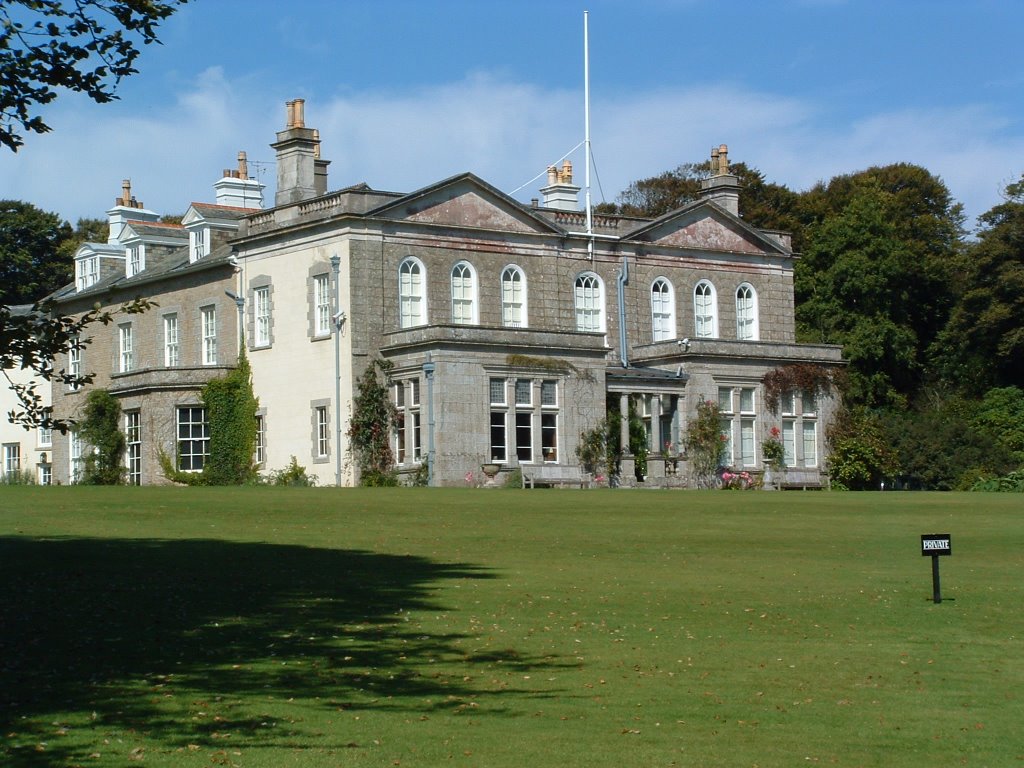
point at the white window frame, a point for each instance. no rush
(198, 245)
(321, 305)
(125, 339)
(193, 432)
(747, 326)
(260, 454)
(588, 303)
(133, 446)
(172, 349)
(208, 325)
(705, 310)
(88, 269)
(74, 362)
(412, 293)
(323, 432)
(464, 297)
(261, 316)
(12, 459)
(76, 463)
(513, 297)
(136, 261)
(663, 310)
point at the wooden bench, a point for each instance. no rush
(553, 474)
(803, 480)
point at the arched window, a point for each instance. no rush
(746, 313)
(513, 297)
(705, 311)
(589, 300)
(463, 294)
(412, 293)
(663, 310)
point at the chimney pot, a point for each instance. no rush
(243, 166)
(552, 175)
(300, 117)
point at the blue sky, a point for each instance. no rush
(407, 93)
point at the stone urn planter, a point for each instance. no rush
(490, 472)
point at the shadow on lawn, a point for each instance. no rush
(111, 628)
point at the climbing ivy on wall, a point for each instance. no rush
(101, 430)
(231, 412)
(796, 377)
(373, 415)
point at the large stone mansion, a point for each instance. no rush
(510, 328)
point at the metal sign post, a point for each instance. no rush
(936, 545)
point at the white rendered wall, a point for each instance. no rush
(295, 371)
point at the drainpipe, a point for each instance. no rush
(428, 372)
(623, 279)
(339, 320)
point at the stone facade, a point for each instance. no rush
(509, 329)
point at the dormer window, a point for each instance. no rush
(136, 259)
(198, 245)
(88, 272)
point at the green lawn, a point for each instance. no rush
(399, 627)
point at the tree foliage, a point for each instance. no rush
(78, 45)
(942, 445)
(982, 344)
(100, 429)
(860, 455)
(31, 262)
(370, 426)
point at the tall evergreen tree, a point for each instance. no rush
(982, 345)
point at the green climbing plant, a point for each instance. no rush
(100, 428)
(705, 445)
(370, 427)
(231, 412)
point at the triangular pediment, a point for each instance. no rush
(707, 227)
(466, 201)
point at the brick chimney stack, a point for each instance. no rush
(722, 187)
(236, 189)
(126, 208)
(301, 174)
(560, 193)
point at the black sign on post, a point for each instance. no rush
(936, 545)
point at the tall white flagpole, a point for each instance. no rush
(586, 119)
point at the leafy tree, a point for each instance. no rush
(85, 231)
(592, 449)
(705, 444)
(922, 217)
(79, 45)
(762, 203)
(31, 265)
(34, 340)
(983, 343)
(101, 430)
(1000, 417)
(851, 289)
(373, 415)
(939, 445)
(860, 456)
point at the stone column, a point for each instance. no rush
(627, 466)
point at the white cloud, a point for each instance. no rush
(504, 131)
